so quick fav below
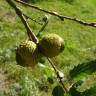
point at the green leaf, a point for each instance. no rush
(58, 91)
(48, 71)
(90, 92)
(83, 69)
(50, 80)
(73, 90)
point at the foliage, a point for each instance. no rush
(58, 91)
(84, 68)
(88, 92)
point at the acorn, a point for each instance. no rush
(51, 45)
(27, 54)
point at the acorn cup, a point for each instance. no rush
(27, 54)
(51, 45)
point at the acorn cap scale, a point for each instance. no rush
(27, 54)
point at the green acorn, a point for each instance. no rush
(51, 45)
(27, 54)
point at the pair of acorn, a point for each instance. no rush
(28, 53)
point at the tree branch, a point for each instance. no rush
(58, 76)
(46, 20)
(62, 17)
(30, 34)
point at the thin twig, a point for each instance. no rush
(27, 17)
(46, 20)
(30, 34)
(62, 17)
(58, 76)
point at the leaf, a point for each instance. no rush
(50, 80)
(48, 71)
(58, 91)
(73, 90)
(78, 83)
(90, 92)
(84, 68)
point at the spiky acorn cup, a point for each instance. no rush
(51, 45)
(27, 54)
